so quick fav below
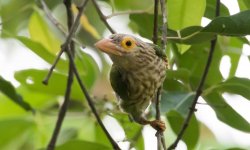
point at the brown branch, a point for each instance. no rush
(157, 101)
(164, 24)
(102, 17)
(199, 88)
(158, 117)
(63, 109)
(155, 29)
(67, 41)
(91, 104)
(64, 47)
(51, 17)
(54, 21)
(159, 135)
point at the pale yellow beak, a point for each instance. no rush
(107, 46)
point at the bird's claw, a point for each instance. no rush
(158, 125)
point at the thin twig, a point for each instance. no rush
(199, 88)
(155, 29)
(158, 117)
(157, 101)
(73, 66)
(102, 17)
(65, 104)
(125, 13)
(164, 24)
(67, 41)
(54, 21)
(91, 104)
(160, 136)
(51, 17)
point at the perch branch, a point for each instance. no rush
(157, 101)
(67, 41)
(103, 17)
(160, 136)
(90, 102)
(199, 88)
(66, 101)
(155, 29)
(158, 117)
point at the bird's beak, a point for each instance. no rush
(107, 46)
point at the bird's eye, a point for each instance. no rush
(128, 43)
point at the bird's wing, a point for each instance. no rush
(118, 83)
(158, 51)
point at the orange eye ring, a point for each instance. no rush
(128, 43)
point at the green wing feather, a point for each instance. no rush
(158, 51)
(117, 82)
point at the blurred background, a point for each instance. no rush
(30, 41)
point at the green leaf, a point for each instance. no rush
(14, 130)
(100, 136)
(199, 53)
(192, 35)
(234, 85)
(225, 112)
(178, 101)
(235, 149)
(67, 134)
(244, 4)
(40, 32)
(79, 144)
(142, 23)
(42, 52)
(180, 74)
(83, 35)
(9, 90)
(191, 134)
(32, 79)
(133, 5)
(211, 7)
(183, 13)
(37, 100)
(235, 25)
(87, 68)
(132, 130)
(14, 15)
(232, 47)
(174, 85)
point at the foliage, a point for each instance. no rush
(188, 47)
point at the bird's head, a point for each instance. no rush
(123, 49)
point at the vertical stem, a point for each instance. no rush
(158, 117)
(164, 25)
(200, 86)
(155, 29)
(91, 104)
(63, 109)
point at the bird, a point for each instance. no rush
(137, 72)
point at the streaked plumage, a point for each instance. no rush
(137, 72)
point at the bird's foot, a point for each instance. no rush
(158, 125)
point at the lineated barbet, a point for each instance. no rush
(138, 71)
